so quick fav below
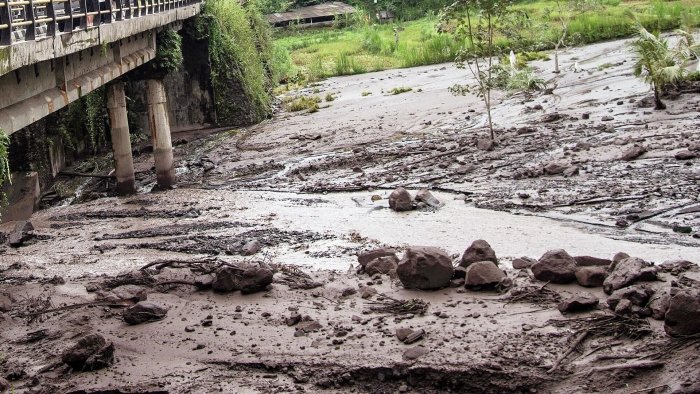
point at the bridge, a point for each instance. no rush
(52, 52)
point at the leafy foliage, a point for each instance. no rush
(478, 22)
(659, 64)
(241, 60)
(4, 153)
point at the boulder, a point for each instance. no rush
(382, 265)
(247, 278)
(628, 272)
(484, 143)
(619, 256)
(142, 312)
(659, 303)
(425, 268)
(203, 282)
(400, 200)
(591, 276)
(90, 353)
(523, 262)
(251, 247)
(479, 250)
(254, 279)
(633, 153)
(578, 303)
(365, 257)
(638, 295)
(427, 197)
(132, 293)
(685, 155)
(554, 167)
(590, 261)
(555, 266)
(483, 274)
(23, 231)
(683, 314)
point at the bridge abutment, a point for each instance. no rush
(160, 132)
(121, 141)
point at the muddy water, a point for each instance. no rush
(452, 227)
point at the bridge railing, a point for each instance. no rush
(27, 20)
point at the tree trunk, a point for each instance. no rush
(658, 105)
(556, 59)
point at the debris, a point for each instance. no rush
(385, 304)
(90, 353)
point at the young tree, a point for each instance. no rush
(477, 23)
(658, 64)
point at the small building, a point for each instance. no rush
(385, 16)
(315, 15)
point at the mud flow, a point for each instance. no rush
(382, 244)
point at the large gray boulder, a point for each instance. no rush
(683, 314)
(248, 278)
(425, 268)
(628, 272)
(479, 250)
(400, 200)
(142, 312)
(483, 274)
(555, 266)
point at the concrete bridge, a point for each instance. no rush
(52, 52)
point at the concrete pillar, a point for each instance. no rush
(121, 141)
(160, 131)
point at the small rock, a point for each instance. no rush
(554, 168)
(479, 250)
(637, 295)
(555, 266)
(293, 319)
(414, 353)
(591, 276)
(203, 282)
(5, 304)
(659, 303)
(484, 143)
(607, 118)
(578, 303)
(23, 231)
(483, 274)
(633, 153)
(131, 293)
(425, 268)
(425, 196)
(523, 262)
(365, 257)
(382, 265)
(90, 353)
(143, 311)
(306, 327)
(367, 292)
(570, 171)
(251, 247)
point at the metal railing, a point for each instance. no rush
(27, 20)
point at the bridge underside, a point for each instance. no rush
(41, 77)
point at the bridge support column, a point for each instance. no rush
(121, 141)
(160, 131)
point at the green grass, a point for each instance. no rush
(308, 103)
(399, 90)
(320, 53)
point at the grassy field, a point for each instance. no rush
(309, 55)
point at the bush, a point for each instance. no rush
(309, 103)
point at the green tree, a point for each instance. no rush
(477, 24)
(659, 64)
